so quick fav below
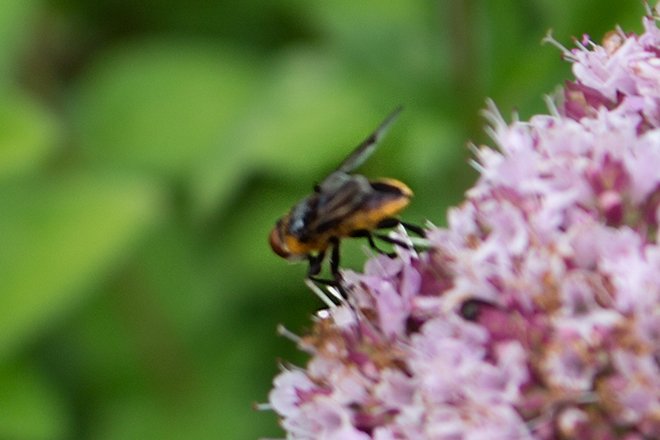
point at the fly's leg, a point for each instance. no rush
(334, 267)
(315, 263)
(388, 223)
(338, 282)
(334, 259)
(394, 241)
(394, 222)
(370, 239)
(417, 230)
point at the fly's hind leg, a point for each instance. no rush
(417, 230)
(315, 263)
(393, 222)
(370, 239)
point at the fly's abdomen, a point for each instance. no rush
(388, 198)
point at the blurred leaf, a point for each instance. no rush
(31, 408)
(15, 18)
(242, 382)
(594, 17)
(137, 416)
(432, 146)
(27, 136)
(94, 352)
(251, 22)
(219, 175)
(57, 238)
(243, 248)
(161, 106)
(312, 115)
(393, 45)
(174, 271)
(230, 378)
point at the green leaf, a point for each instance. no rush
(27, 137)
(395, 44)
(161, 106)
(31, 408)
(309, 116)
(58, 238)
(312, 115)
(218, 177)
(189, 288)
(15, 20)
(231, 376)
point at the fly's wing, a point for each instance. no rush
(339, 196)
(364, 150)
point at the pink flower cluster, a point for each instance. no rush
(536, 313)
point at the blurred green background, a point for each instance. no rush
(146, 149)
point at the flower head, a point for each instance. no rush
(536, 313)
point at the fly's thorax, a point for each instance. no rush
(298, 218)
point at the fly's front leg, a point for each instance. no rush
(315, 262)
(334, 267)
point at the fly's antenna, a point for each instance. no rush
(368, 146)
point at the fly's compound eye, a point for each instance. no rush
(277, 244)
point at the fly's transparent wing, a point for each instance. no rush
(368, 146)
(348, 195)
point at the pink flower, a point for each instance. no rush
(536, 313)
